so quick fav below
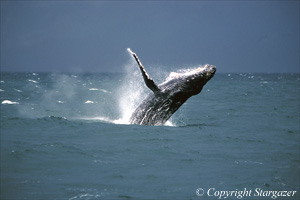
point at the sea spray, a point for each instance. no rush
(98, 97)
(45, 100)
(131, 92)
(67, 95)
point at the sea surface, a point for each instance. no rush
(66, 136)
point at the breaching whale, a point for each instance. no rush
(167, 97)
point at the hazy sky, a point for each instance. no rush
(92, 36)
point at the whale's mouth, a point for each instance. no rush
(210, 70)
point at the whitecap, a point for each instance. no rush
(85, 196)
(18, 90)
(105, 91)
(33, 81)
(60, 102)
(93, 89)
(102, 90)
(9, 102)
(88, 101)
(247, 162)
(1, 90)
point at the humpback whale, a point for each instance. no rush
(167, 97)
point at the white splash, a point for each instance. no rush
(93, 89)
(132, 91)
(105, 119)
(88, 101)
(9, 102)
(169, 123)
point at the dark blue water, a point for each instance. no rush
(65, 136)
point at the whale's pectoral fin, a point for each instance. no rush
(149, 81)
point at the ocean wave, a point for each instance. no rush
(51, 117)
(105, 119)
(121, 121)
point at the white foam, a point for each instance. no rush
(1, 90)
(18, 90)
(102, 90)
(105, 91)
(103, 119)
(106, 119)
(9, 102)
(169, 123)
(93, 89)
(88, 101)
(121, 121)
(33, 81)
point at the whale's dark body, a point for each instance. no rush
(167, 97)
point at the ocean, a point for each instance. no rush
(66, 136)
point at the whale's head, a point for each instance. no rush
(191, 81)
(194, 80)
